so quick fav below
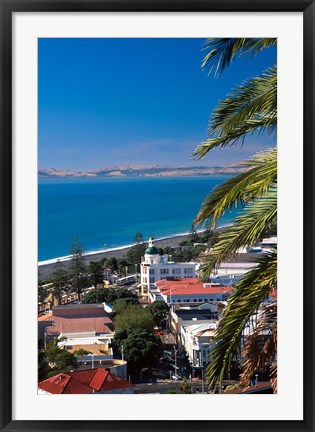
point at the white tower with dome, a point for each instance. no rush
(155, 267)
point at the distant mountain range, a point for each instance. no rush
(140, 171)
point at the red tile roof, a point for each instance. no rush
(79, 325)
(190, 286)
(78, 318)
(88, 324)
(83, 382)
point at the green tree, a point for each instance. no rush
(184, 387)
(121, 304)
(140, 347)
(135, 253)
(43, 366)
(60, 280)
(42, 290)
(77, 268)
(112, 264)
(168, 250)
(54, 360)
(96, 273)
(159, 311)
(138, 238)
(81, 352)
(193, 236)
(123, 266)
(99, 295)
(120, 293)
(250, 107)
(134, 316)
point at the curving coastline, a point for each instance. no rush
(45, 267)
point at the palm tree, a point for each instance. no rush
(250, 108)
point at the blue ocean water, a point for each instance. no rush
(106, 213)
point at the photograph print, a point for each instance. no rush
(157, 216)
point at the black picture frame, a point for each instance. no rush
(8, 7)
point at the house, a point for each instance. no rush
(155, 267)
(98, 381)
(182, 290)
(85, 326)
(198, 342)
(189, 315)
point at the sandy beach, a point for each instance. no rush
(46, 269)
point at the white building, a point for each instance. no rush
(198, 342)
(155, 267)
(190, 291)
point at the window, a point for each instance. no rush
(176, 271)
(144, 270)
(188, 271)
(211, 299)
(164, 271)
(151, 271)
(145, 280)
(151, 279)
(200, 300)
(205, 300)
(195, 300)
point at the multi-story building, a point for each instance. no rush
(198, 342)
(189, 315)
(155, 267)
(182, 290)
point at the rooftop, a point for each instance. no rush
(190, 286)
(83, 382)
(205, 329)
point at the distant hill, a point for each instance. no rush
(140, 171)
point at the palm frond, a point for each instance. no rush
(222, 51)
(256, 97)
(260, 347)
(249, 108)
(248, 295)
(245, 187)
(245, 231)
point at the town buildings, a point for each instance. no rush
(183, 290)
(81, 326)
(85, 382)
(155, 267)
(188, 315)
(197, 339)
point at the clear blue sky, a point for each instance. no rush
(110, 102)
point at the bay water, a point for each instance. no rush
(107, 213)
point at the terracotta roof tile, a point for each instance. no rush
(82, 382)
(79, 325)
(190, 286)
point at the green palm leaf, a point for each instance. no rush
(222, 51)
(250, 107)
(255, 182)
(249, 293)
(257, 97)
(247, 228)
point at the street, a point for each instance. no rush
(164, 387)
